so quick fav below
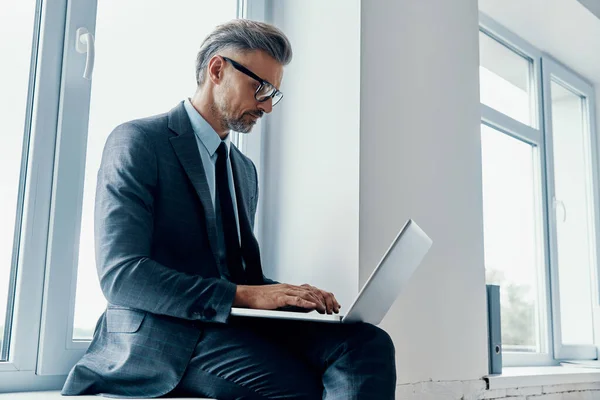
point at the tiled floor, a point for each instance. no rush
(55, 395)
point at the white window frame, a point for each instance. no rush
(552, 70)
(57, 352)
(539, 135)
(532, 135)
(19, 372)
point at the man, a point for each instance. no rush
(175, 250)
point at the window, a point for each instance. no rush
(505, 80)
(56, 122)
(137, 73)
(574, 214)
(539, 192)
(128, 89)
(17, 23)
(573, 199)
(512, 220)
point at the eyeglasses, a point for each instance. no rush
(265, 90)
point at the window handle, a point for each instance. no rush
(564, 208)
(84, 43)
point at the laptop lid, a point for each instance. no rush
(390, 276)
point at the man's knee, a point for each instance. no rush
(375, 335)
(371, 339)
(376, 350)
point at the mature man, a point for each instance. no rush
(175, 250)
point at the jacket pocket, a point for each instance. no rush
(124, 320)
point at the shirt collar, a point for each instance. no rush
(207, 135)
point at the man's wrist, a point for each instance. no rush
(241, 296)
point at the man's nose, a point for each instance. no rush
(266, 106)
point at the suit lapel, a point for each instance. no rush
(250, 249)
(240, 181)
(186, 149)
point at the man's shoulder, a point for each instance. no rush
(147, 130)
(152, 125)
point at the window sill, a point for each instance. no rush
(516, 377)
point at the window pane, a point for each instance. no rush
(16, 33)
(574, 214)
(144, 66)
(512, 226)
(505, 80)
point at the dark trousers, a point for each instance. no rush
(260, 358)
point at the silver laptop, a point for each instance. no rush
(381, 289)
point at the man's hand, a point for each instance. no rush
(327, 298)
(270, 297)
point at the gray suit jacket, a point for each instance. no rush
(156, 256)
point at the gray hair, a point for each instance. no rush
(243, 35)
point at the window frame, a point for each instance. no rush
(20, 210)
(540, 135)
(553, 70)
(534, 136)
(56, 351)
(18, 373)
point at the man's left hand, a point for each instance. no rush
(327, 298)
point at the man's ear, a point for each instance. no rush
(215, 68)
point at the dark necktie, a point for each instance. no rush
(232, 243)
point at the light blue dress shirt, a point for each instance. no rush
(208, 142)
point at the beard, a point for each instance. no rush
(242, 124)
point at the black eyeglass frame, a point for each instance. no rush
(257, 78)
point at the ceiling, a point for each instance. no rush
(565, 29)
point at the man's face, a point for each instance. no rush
(235, 103)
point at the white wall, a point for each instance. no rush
(417, 154)
(309, 183)
(420, 158)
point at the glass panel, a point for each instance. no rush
(574, 214)
(505, 80)
(144, 66)
(512, 231)
(16, 33)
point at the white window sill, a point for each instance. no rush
(516, 377)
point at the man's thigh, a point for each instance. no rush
(319, 344)
(234, 361)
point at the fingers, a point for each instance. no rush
(320, 296)
(300, 302)
(332, 303)
(304, 298)
(329, 302)
(327, 298)
(321, 307)
(337, 305)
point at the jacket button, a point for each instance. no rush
(210, 313)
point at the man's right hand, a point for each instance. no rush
(271, 297)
